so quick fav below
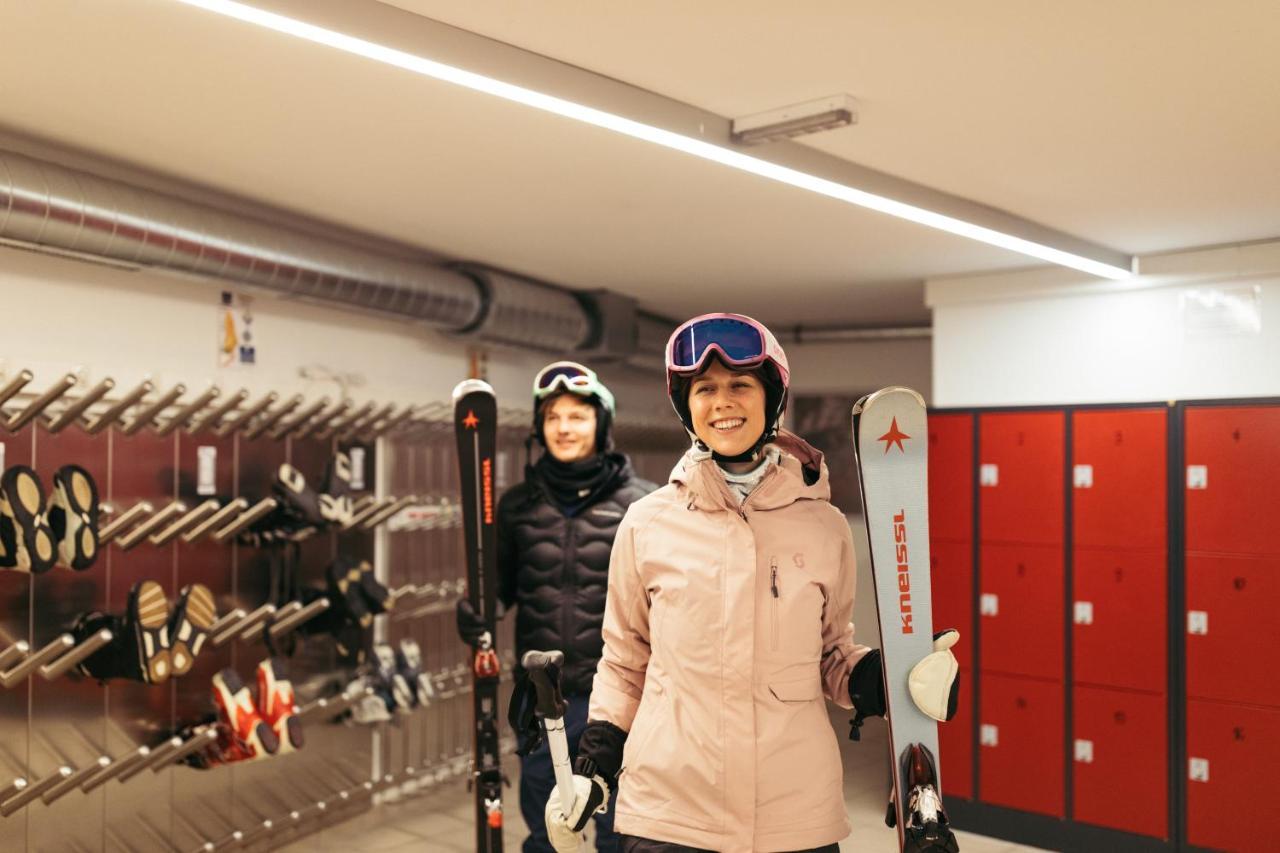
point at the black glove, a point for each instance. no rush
(471, 627)
(866, 685)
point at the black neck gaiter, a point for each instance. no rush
(573, 485)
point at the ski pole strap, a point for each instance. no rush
(521, 716)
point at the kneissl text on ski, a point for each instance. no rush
(475, 422)
(890, 444)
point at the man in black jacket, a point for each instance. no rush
(555, 534)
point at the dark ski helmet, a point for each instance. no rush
(740, 343)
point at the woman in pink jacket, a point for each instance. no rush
(727, 627)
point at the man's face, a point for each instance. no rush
(569, 428)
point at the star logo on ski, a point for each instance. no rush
(893, 436)
(471, 421)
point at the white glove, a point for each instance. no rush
(933, 681)
(591, 796)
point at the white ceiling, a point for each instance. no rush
(1142, 126)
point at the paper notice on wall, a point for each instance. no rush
(1222, 312)
(236, 343)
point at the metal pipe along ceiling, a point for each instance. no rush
(44, 205)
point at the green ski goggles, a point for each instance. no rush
(575, 379)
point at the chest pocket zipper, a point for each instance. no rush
(773, 589)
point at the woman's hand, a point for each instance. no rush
(591, 795)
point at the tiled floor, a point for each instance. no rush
(442, 819)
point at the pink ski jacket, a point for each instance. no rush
(725, 627)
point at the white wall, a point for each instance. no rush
(855, 367)
(61, 314)
(1051, 336)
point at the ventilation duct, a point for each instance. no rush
(56, 209)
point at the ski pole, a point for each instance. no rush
(544, 672)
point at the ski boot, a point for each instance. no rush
(73, 517)
(409, 662)
(389, 683)
(245, 729)
(26, 541)
(335, 500)
(927, 829)
(376, 596)
(189, 626)
(275, 699)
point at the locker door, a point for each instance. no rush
(1121, 777)
(1119, 474)
(1020, 735)
(951, 582)
(1021, 606)
(1232, 623)
(1120, 619)
(955, 744)
(1233, 493)
(1232, 756)
(951, 477)
(1020, 477)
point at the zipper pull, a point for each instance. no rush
(773, 575)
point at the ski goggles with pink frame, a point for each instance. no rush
(739, 341)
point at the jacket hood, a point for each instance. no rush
(801, 474)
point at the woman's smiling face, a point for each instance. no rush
(727, 409)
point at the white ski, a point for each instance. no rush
(890, 441)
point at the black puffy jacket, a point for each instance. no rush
(556, 568)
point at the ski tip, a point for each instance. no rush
(471, 386)
(863, 404)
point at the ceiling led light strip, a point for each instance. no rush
(656, 135)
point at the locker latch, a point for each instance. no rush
(1197, 476)
(1084, 613)
(1197, 622)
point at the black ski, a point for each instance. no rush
(475, 420)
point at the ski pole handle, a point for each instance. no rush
(544, 672)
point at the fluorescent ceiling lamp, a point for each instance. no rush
(656, 135)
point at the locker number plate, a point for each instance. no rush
(989, 604)
(989, 475)
(1084, 751)
(1197, 622)
(1082, 476)
(1198, 770)
(989, 735)
(1197, 476)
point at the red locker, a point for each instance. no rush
(1232, 756)
(1020, 734)
(1020, 604)
(951, 583)
(1120, 619)
(951, 477)
(1020, 476)
(1233, 492)
(955, 744)
(1121, 766)
(1119, 474)
(1232, 623)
